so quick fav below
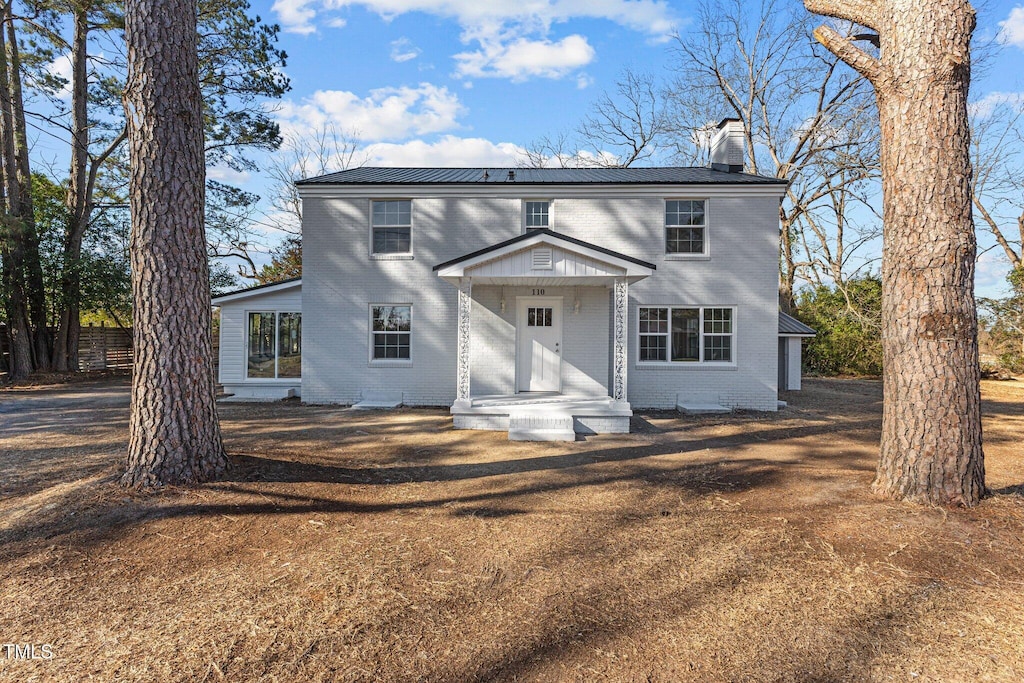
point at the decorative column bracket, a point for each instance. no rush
(620, 304)
(465, 309)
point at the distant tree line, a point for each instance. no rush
(64, 235)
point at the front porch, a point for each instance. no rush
(543, 416)
(542, 337)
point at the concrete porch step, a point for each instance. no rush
(701, 408)
(531, 426)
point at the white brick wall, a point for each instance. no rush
(340, 281)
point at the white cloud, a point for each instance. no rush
(385, 114)
(448, 151)
(61, 68)
(983, 108)
(524, 58)
(228, 176)
(511, 39)
(402, 50)
(336, 22)
(1011, 31)
(990, 273)
(296, 15)
(583, 81)
(654, 17)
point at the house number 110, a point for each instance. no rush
(538, 292)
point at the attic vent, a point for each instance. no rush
(542, 259)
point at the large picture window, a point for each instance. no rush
(391, 332)
(682, 334)
(392, 226)
(274, 345)
(685, 226)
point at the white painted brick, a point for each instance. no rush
(340, 281)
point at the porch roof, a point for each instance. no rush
(545, 257)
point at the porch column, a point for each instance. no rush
(465, 308)
(620, 304)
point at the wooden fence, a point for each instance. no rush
(103, 348)
(99, 348)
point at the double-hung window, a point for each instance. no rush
(274, 345)
(684, 334)
(390, 333)
(686, 226)
(537, 214)
(391, 225)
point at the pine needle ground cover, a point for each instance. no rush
(366, 546)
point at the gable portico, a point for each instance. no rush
(542, 327)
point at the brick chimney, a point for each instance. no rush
(727, 147)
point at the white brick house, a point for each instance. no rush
(525, 299)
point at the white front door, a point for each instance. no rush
(539, 362)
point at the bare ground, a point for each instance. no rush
(352, 545)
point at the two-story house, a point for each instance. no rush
(543, 301)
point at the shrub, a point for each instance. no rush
(848, 322)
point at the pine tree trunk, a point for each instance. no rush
(36, 294)
(174, 436)
(12, 243)
(65, 351)
(931, 448)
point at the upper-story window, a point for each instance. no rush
(392, 226)
(538, 214)
(685, 226)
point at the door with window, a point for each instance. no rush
(539, 356)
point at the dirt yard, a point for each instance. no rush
(365, 546)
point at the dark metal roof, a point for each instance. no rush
(791, 327)
(253, 289)
(674, 175)
(544, 231)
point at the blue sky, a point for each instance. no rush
(471, 82)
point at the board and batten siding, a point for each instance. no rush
(341, 279)
(234, 343)
(563, 264)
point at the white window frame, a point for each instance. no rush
(398, 255)
(389, 362)
(277, 313)
(682, 256)
(551, 213)
(702, 364)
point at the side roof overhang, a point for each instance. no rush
(605, 265)
(791, 327)
(258, 290)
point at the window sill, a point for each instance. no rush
(391, 257)
(390, 364)
(687, 257)
(685, 366)
(271, 380)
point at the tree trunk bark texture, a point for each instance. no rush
(174, 436)
(931, 450)
(65, 350)
(12, 246)
(30, 237)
